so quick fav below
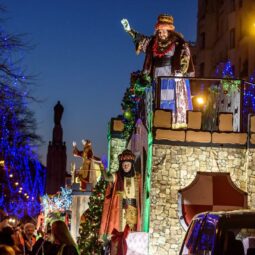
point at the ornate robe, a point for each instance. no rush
(113, 216)
(168, 59)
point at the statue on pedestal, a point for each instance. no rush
(90, 169)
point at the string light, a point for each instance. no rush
(248, 100)
(20, 166)
(224, 70)
(61, 202)
(131, 102)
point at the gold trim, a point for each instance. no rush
(166, 19)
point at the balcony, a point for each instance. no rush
(216, 111)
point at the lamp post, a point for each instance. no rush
(198, 102)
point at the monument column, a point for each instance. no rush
(56, 157)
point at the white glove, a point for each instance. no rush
(83, 142)
(178, 75)
(74, 144)
(126, 25)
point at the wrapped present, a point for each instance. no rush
(118, 242)
(137, 243)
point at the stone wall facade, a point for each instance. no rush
(174, 168)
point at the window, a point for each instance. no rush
(233, 5)
(202, 69)
(232, 38)
(233, 69)
(202, 9)
(194, 58)
(241, 33)
(202, 40)
(221, 2)
(239, 64)
(244, 72)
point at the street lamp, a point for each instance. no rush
(253, 29)
(199, 102)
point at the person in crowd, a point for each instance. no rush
(4, 219)
(62, 239)
(16, 236)
(44, 245)
(6, 250)
(57, 241)
(27, 238)
(7, 237)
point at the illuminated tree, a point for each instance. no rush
(22, 176)
(88, 240)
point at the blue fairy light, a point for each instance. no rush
(23, 172)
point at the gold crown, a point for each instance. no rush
(165, 21)
(126, 155)
(165, 18)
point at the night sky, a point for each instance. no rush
(83, 58)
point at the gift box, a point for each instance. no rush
(137, 243)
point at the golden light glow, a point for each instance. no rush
(12, 221)
(16, 183)
(200, 100)
(253, 29)
(1, 162)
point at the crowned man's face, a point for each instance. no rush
(163, 34)
(126, 166)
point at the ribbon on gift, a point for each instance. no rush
(119, 238)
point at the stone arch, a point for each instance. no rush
(209, 192)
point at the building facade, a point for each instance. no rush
(226, 31)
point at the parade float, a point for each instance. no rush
(183, 145)
(192, 137)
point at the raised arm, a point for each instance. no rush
(141, 41)
(107, 176)
(126, 25)
(76, 152)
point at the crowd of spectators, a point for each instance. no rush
(25, 239)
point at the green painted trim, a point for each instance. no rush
(109, 137)
(147, 202)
